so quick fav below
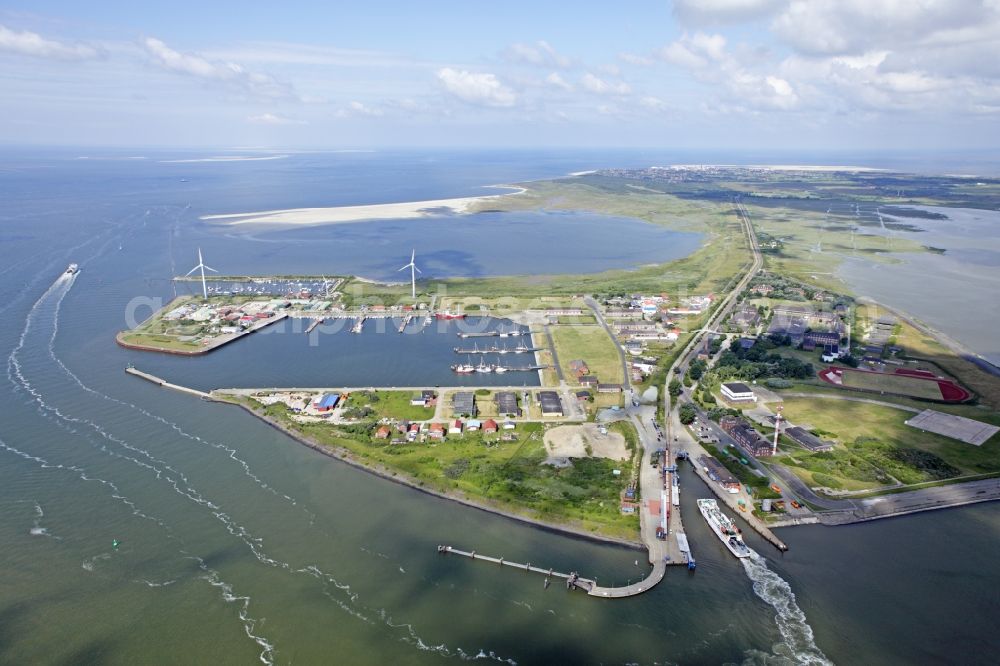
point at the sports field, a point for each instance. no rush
(912, 384)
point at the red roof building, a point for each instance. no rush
(489, 425)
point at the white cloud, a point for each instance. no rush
(228, 73)
(654, 104)
(356, 108)
(695, 51)
(476, 88)
(32, 44)
(599, 86)
(541, 53)
(273, 119)
(635, 59)
(557, 81)
(840, 27)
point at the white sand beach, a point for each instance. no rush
(343, 214)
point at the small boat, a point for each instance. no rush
(72, 269)
(484, 367)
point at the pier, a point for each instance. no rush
(315, 322)
(406, 322)
(358, 325)
(495, 349)
(165, 384)
(573, 580)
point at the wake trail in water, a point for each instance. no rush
(798, 645)
(343, 597)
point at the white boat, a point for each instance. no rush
(483, 367)
(723, 527)
(71, 269)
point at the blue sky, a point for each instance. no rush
(787, 75)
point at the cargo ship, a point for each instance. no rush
(71, 269)
(723, 527)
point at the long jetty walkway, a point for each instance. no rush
(165, 384)
(573, 580)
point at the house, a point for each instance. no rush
(436, 431)
(509, 425)
(579, 368)
(633, 347)
(550, 403)
(382, 432)
(718, 473)
(455, 428)
(464, 403)
(473, 424)
(609, 388)
(589, 380)
(326, 402)
(507, 403)
(762, 289)
(489, 426)
(748, 439)
(582, 396)
(807, 439)
(747, 343)
(636, 375)
(830, 353)
(738, 392)
(404, 427)
(747, 317)
(424, 399)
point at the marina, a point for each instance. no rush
(497, 349)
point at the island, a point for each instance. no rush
(796, 399)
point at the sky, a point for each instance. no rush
(783, 75)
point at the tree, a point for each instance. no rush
(674, 388)
(687, 413)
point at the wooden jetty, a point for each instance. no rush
(574, 581)
(315, 322)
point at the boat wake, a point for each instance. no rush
(22, 367)
(798, 645)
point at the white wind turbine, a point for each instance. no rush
(201, 265)
(413, 273)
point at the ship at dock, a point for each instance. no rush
(448, 314)
(723, 527)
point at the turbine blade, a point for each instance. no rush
(417, 269)
(404, 268)
(192, 270)
(210, 269)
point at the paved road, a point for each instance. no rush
(555, 356)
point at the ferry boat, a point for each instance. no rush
(448, 314)
(723, 527)
(71, 269)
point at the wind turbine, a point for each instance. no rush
(413, 273)
(201, 265)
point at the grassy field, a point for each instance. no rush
(505, 475)
(890, 383)
(874, 446)
(389, 404)
(591, 344)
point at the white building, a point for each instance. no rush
(738, 392)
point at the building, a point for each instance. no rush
(807, 439)
(455, 428)
(822, 338)
(436, 431)
(424, 399)
(718, 473)
(738, 392)
(550, 403)
(746, 437)
(327, 402)
(489, 426)
(609, 388)
(382, 432)
(507, 403)
(762, 289)
(633, 347)
(464, 402)
(830, 353)
(473, 424)
(582, 396)
(589, 380)
(579, 368)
